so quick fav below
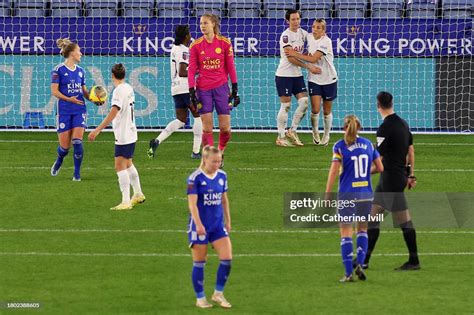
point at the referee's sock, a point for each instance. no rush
(373, 234)
(409, 234)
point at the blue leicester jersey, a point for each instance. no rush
(209, 192)
(70, 83)
(356, 160)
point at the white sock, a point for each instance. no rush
(124, 183)
(327, 124)
(282, 119)
(315, 123)
(197, 131)
(300, 112)
(134, 179)
(170, 128)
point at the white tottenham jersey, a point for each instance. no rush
(124, 127)
(328, 73)
(297, 41)
(179, 54)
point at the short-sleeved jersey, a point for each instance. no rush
(295, 40)
(212, 62)
(393, 140)
(124, 127)
(356, 160)
(209, 192)
(328, 73)
(70, 82)
(179, 55)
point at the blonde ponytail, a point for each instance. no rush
(66, 46)
(351, 128)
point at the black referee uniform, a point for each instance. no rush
(393, 142)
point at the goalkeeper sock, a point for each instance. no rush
(198, 278)
(124, 183)
(78, 153)
(300, 112)
(197, 131)
(170, 128)
(315, 123)
(61, 154)
(222, 274)
(207, 139)
(409, 234)
(134, 179)
(362, 243)
(224, 137)
(347, 253)
(282, 119)
(327, 124)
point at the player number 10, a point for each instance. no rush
(361, 164)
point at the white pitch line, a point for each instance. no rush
(296, 231)
(244, 169)
(231, 142)
(213, 255)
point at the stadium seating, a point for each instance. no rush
(209, 6)
(311, 9)
(172, 8)
(457, 9)
(101, 8)
(422, 8)
(30, 8)
(244, 8)
(350, 8)
(5, 6)
(139, 8)
(277, 8)
(66, 8)
(387, 8)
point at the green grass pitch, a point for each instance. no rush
(61, 246)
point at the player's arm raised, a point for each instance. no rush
(107, 120)
(193, 209)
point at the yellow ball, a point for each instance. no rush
(98, 95)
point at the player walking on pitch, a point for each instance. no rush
(179, 59)
(322, 85)
(212, 61)
(289, 80)
(69, 86)
(354, 155)
(209, 222)
(123, 123)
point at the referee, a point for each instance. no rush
(395, 145)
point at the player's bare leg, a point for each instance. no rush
(315, 109)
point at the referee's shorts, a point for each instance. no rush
(389, 192)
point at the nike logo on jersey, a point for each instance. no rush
(380, 140)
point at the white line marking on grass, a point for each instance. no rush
(315, 231)
(231, 142)
(235, 255)
(244, 169)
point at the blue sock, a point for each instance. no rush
(346, 253)
(362, 245)
(61, 154)
(78, 153)
(198, 278)
(222, 274)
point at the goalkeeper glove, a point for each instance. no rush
(233, 96)
(194, 100)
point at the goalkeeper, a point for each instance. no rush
(212, 61)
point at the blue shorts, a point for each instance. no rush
(210, 237)
(68, 122)
(327, 92)
(125, 150)
(182, 100)
(286, 86)
(361, 210)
